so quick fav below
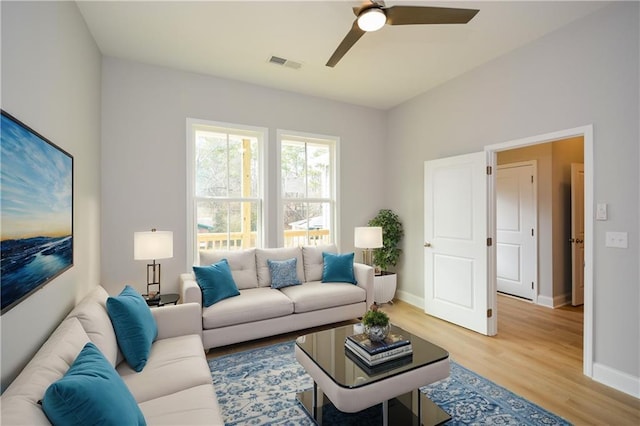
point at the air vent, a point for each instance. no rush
(276, 60)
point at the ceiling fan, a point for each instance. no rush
(372, 16)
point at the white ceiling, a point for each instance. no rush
(235, 39)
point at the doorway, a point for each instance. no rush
(475, 292)
(552, 277)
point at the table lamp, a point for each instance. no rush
(152, 245)
(367, 238)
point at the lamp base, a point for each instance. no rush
(153, 280)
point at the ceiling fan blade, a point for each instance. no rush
(412, 15)
(350, 39)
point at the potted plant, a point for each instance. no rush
(392, 233)
(376, 324)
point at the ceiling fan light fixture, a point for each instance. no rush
(372, 19)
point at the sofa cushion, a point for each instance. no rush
(283, 273)
(134, 326)
(216, 282)
(338, 268)
(316, 295)
(262, 255)
(254, 304)
(92, 314)
(313, 263)
(198, 405)
(19, 400)
(241, 262)
(91, 392)
(174, 364)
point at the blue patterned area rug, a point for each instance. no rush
(259, 386)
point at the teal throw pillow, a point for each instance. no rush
(134, 325)
(91, 393)
(338, 268)
(216, 282)
(283, 272)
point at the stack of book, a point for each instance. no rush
(393, 347)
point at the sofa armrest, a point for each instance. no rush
(178, 320)
(364, 277)
(189, 290)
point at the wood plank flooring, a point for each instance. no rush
(537, 354)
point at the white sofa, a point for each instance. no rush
(261, 311)
(175, 386)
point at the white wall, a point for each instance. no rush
(51, 82)
(584, 73)
(144, 114)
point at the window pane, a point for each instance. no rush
(293, 163)
(226, 225)
(320, 228)
(243, 166)
(211, 164)
(318, 171)
(306, 223)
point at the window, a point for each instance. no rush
(225, 165)
(308, 185)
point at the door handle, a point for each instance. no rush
(571, 240)
(427, 244)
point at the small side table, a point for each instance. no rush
(165, 299)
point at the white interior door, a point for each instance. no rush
(456, 284)
(577, 234)
(516, 230)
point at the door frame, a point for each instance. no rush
(534, 166)
(587, 134)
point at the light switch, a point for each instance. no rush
(601, 211)
(616, 239)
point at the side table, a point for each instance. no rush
(165, 299)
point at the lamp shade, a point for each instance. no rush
(372, 19)
(368, 237)
(148, 245)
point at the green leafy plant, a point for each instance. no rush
(392, 233)
(375, 318)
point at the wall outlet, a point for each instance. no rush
(616, 239)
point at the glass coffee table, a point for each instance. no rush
(352, 387)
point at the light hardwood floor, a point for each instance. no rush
(537, 354)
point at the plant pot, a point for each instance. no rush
(377, 333)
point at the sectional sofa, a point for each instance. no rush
(174, 387)
(260, 310)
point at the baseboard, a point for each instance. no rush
(410, 299)
(554, 302)
(619, 380)
(545, 301)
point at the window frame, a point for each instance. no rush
(262, 134)
(334, 151)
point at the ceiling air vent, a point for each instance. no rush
(276, 60)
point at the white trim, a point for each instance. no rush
(587, 133)
(190, 243)
(616, 379)
(410, 298)
(545, 301)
